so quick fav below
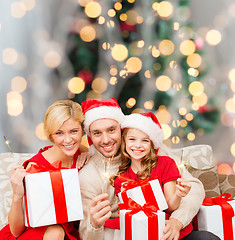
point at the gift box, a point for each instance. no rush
(140, 222)
(52, 197)
(144, 191)
(216, 215)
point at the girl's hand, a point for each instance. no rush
(83, 159)
(17, 175)
(182, 187)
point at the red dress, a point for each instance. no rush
(37, 233)
(165, 171)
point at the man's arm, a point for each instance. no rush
(191, 203)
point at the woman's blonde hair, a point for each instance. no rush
(148, 162)
(59, 112)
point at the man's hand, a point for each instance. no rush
(100, 210)
(172, 229)
(182, 187)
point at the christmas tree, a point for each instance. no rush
(148, 56)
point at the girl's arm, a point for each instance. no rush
(16, 214)
(174, 191)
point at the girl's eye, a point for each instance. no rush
(146, 140)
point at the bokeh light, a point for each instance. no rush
(99, 85)
(224, 168)
(39, 131)
(230, 105)
(166, 47)
(163, 115)
(18, 9)
(231, 75)
(194, 60)
(18, 84)
(131, 102)
(196, 88)
(232, 150)
(163, 83)
(165, 9)
(133, 65)
(119, 52)
(9, 56)
(29, 4)
(14, 103)
(76, 85)
(191, 136)
(200, 99)
(149, 105)
(93, 9)
(52, 59)
(166, 130)
(213, 37)
(88, 33)
(187, 47)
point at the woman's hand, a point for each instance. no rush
(82, 159)
(182, 187)
(17, 175)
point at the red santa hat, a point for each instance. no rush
(147, 123)
(99, 109)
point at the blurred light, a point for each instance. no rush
(166, 47)
(173, 64)
(221, 21)
(149, 105)
(231, 10)
(195, 106)
(113, 80)
(230, 105)
(101, 20)
(182, 111)
(155, 52)
(113, 70)
(138, 110)
(110, 24)
(155, 6)
(189, 116)
(133, 65)
(71, 95)
(140, 44)
(175, 123)
(88, 33)
(83, 3)
(200, 131)
(183, 123)
(175, 140)
(147, 74)
(93, 9)
(123, 73)
(29, 4)
(193, 72)
(200, 100)
(132, 17)
(227, 120)
(231, 75)
(177, 86)
(157, 66)
(39, 131)
(18, 84)
(119, 52)
(18, 9)
(187, 47)
(130, 103)
(224, 168)
(21, 62)
(163, 115)
(9, 56)
(99, 85)
(52, 59)
(123, 17)
(166, 130)
(194, 60)
(111, 12)
(94, 95)
(14, 103)
(233, 86)
(139, 20)
(163, 83)
(191, 136)
(232, 149)
(106, 45)
(131, 1)
(176, 26)
(118, 6)
(196, 88)
(76, 85)
(165, 9)
(213, 37)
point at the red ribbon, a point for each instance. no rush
(227, 212)
(148, 209)
(145, 187)
(57, 187)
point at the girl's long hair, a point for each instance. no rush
(148, 162)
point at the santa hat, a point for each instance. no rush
(99, 109)
(147, 123)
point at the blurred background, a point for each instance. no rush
(174, 58)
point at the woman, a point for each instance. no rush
(63, 125)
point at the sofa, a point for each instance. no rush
(197, 159)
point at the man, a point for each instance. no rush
(102, 125)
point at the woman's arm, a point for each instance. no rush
(16, 214)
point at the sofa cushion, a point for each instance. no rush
(7, 161)
(227, 184)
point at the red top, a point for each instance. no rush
(165, 171)
(38, 232)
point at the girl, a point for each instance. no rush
(141, 140)
(63, 125)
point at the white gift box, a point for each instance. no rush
(210, 218)
(139, 225)
(137, 194)
(39, 202)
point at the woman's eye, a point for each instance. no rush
(58, 133)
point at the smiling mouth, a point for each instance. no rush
(69, 146)
(108, 148)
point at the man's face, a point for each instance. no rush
(106, 136)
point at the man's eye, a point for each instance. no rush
(74, 131)
(96, 133)
(111, 130)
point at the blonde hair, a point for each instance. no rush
(148, 162)
(59, 112)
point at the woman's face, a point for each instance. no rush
(68, 137)
(138, 144)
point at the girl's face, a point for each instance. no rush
(138, 144)
(68, 137)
